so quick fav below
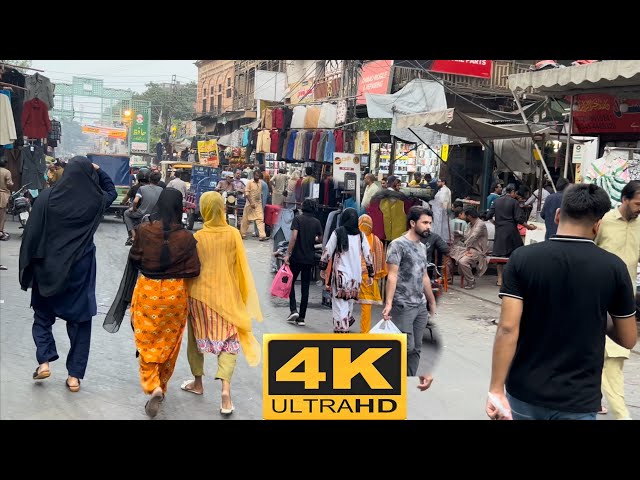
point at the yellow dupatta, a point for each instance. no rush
(225, 283)
(365, 224)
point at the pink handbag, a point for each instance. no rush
(281, 286)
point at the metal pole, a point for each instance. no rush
(392, 156)
(526, 122)
(566, 154)
(487, 170)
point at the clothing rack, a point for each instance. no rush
(18, 66)
(11, 85)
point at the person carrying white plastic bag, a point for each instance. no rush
(388, 327)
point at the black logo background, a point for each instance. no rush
(281, 351)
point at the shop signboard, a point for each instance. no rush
(140, 133)
(375, 78)
(208, 152)
(346, 170)
(600, 113)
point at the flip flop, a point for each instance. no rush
(603, 410)
(227, 411)
(184, 387)
(72, 388)
(153, 405)
(41, 374)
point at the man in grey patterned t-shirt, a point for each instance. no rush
(408, 285)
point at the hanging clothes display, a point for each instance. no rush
(288, 116)
(39, 86)
(339, 134)
(314, 145)
(35, 119)
(7, 126)
(55, 134)
(299, 112)
(14, 165)
(274, 136)
(308, 139)
(14, 77)
(268, 119)
(311, 117)
(330, 147)
(328, 114)
(33, 167)
(246, 137)
(278, 118)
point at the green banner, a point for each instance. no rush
(140, 132)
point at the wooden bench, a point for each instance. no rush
(490, 261)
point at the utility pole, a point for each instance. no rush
(172, 93)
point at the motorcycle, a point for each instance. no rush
(19, 205)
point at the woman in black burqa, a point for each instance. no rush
(58, 262)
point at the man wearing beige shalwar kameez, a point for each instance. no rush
(253, 211)
(474, 251)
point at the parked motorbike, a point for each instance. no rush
(19, 205)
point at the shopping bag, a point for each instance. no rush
(282, 283)
(385, 326)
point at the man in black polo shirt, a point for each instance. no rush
(306, 231)
(549, 346)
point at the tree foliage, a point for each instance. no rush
(19, 63)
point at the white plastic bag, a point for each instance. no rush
(385, 326)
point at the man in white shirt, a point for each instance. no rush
(371, 189)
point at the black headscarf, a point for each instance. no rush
(168, 210)
(348, 226)
(61, 227)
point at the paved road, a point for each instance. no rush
(459, 357)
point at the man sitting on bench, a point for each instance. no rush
(473, 253)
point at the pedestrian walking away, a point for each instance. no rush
(557, 294)
(306, 231)
(165, 254)
(223, 301)
(58, 262)
(341, 263)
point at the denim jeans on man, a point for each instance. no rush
(525, 411)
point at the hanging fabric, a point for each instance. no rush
(341, 112)
(311, 117)
(328, 114)
(278, 118)
(7, 124)
(339, 134)
(39, 86)
(299, 112)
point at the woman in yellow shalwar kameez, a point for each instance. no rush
(370, 294)
(222, 301)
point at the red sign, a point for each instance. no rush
(599, 113)
(375, 78)
(468, 68)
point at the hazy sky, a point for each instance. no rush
(120, 74)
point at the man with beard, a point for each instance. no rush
(620, 234)
(408, 285)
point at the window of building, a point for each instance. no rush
(219, 87)
(229, 82)
(219, 103)
(211, 91)
(204, 92)
(228, 93)
(204, 105)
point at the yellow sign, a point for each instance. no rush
(105, 131)
(578, 175)
(334, 377)
(208, 152)
(536, 155)
(444, 153)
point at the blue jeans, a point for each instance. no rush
(525, 411)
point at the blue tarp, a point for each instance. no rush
(116, 166)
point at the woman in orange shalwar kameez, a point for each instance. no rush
(165, 254)
(370, 293)
(223, 300)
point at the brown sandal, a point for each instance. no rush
(41, 374)
(72, 388)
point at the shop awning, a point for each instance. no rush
(615, 77)
(455, 123)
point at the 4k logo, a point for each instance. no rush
(329, 376)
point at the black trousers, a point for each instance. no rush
(79, 338)
(305, 270)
